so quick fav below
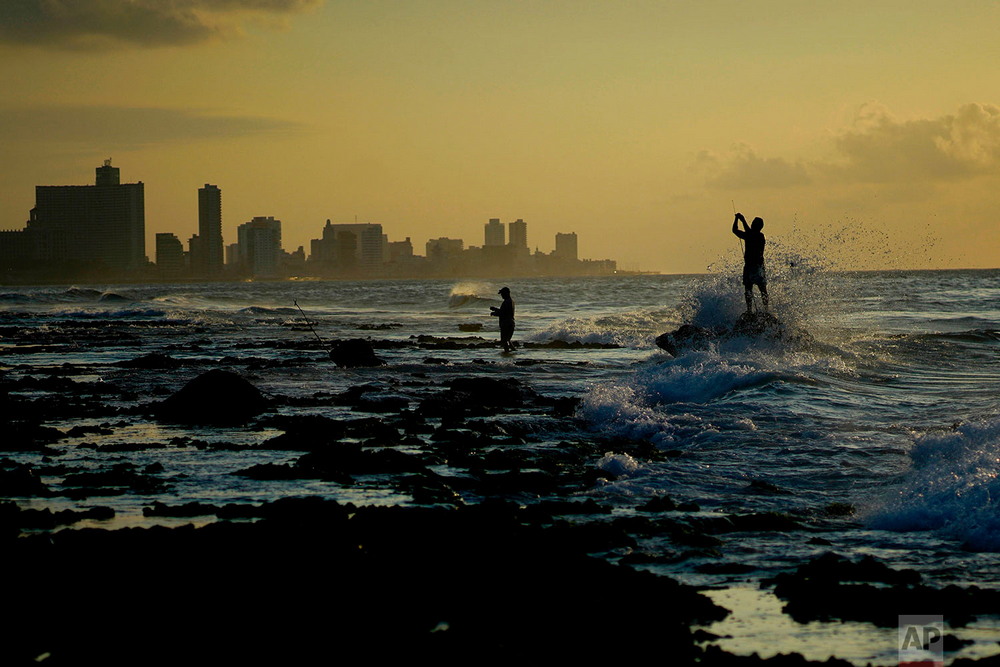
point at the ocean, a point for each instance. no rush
(881, 420)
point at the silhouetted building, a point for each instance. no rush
(566, 247)
(350, 248)
(494, 233)
(518, 236)
(400, 250)
(93, 226)
(443, 247)
(259, 243)
(209, 231)
(196, 254)
(169, 256)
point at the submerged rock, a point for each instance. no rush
(215, 397)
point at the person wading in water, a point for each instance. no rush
(753, 258)
(506, 314)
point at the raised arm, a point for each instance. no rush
(736, 230)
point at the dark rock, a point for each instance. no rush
(120, 475)
(687, 336)
(214, 397)
(724, 568)
(658, 504)
(185, 510)
(153, 361)
(355, 353)
(355, 460)
(484, 391)
(756, 324)
(275, 471)
(18, 479)
(498, 588)
(760, 325)
(832, 587)
(80, 431)
(28, 436)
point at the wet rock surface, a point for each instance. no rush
(399, 582)
(759, 325)
(488, 561)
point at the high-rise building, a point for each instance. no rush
(210, 230)
(99, 225)
(260, 245)
(494, 233)
(566, 247)
(518, 234)
(169, 255)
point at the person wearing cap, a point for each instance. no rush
(506, 314)
(753, 259)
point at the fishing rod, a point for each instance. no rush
(742, 250)
(308, 322)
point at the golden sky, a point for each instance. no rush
(864, 131)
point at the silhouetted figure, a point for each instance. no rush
(506, 314)
(753, 258)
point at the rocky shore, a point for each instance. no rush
(496, 556)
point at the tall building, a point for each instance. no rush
(169, 255)
(494, 233)
(518, 235)
(210, 230)
(566, 247)
(260, 246)
(97, 225)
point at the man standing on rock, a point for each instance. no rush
(506, 314)
(753, 259)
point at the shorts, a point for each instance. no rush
(754, 275)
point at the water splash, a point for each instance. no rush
(952, 487)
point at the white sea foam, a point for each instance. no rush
(952, 487)
(630, 328)
(649, 404)
(619, 465)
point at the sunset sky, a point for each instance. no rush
(867, 132)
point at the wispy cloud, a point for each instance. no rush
(744, 168)
(878, 148)
(126, 128)
(109, 24)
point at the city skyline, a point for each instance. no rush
(866, 133)
(84, 232)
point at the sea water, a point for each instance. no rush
(890, 405)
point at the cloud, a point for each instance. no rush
(878, 148)
(126, 128)
(109, 24)
(745, 169)
(883, 149)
